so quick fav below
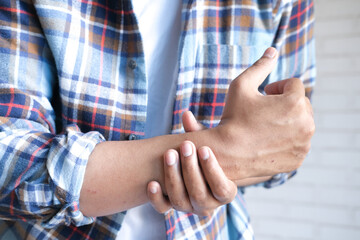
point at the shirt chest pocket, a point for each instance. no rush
(216, 65)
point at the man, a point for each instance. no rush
(76, 79)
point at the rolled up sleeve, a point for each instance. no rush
(41, 167)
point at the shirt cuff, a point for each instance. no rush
(278, 179)
(67, 165)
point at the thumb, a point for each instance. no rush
(287, 86)
(190, 124)
(253, 77)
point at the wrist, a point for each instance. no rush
(235, 154)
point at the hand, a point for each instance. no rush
(264, 135)
(190, 187)
(175, 181)
(257, 136)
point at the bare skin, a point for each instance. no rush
(258, 136)
(194, 183)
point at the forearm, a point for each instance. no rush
(258, 136)
(118, 172)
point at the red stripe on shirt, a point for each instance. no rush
(12, 197)
(218, 64)
(207, 104)
(16, 11)
(11, 102)
(31, 161)
(171, 229)
(18, 180)
(300, 13)
(71, 234)
(76, 229)
(180, 111)
(30, 109)
(101, 68)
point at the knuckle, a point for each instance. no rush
(211, 168)
(180, 204)
(171, 178)
(308, 129)
(300, 153)
(199, 197)
(312, 127)
(294, 101)
(188, 166)
(171, 182)
(261, 62)
(223, 193)
(306, 148)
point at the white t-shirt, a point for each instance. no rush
(160, 27)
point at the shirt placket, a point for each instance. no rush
(132, 74)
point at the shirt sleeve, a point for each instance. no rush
(294, 39)
(41, 170)
(295, 43)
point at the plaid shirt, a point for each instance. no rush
(72, 74)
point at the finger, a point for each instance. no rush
(294, 85)
(253, 77)
(174, 183)
(275, 88)
(288, 86)
(223, 189)
(157, 199)
(190, 124)
(199, 194)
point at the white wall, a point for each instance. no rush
(323, 200)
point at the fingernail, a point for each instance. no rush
(153, 190)
(170, 158)
(204, 153)
(270, 52)
(186, 150)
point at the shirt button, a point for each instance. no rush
(132, 137)
(132, 64)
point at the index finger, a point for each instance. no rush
(222, 188)
(253, 77)
(287, 86)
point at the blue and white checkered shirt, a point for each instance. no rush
(72, 74)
